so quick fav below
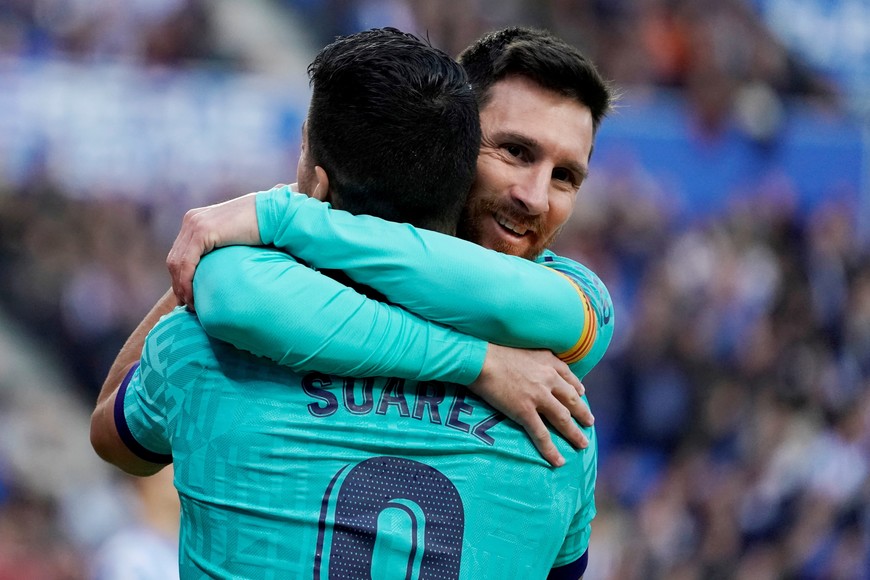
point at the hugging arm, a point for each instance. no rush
(264, 301)
(104, 433)
(562, 307)
(525, 385)
(499, 298)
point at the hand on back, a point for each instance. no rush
(530, 386)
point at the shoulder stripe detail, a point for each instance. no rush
(590, 327)
(124, 429)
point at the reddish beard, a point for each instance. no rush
(477, 211)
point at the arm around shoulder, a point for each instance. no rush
(265, 302)
(106, 440)
(498, 298)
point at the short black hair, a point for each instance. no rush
(394, 123)
(541, 57)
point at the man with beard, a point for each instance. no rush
(537, 137)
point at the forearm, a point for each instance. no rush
(132, 349)
(108, 444)
(493, 296)
(104, 434)
(264, 302)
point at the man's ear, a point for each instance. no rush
(321, 190)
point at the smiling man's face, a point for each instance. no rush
(533, 158)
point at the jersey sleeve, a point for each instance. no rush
(598, 323)
(267, 303)
(147, 403)
(499, 298)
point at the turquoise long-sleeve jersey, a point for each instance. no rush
(307, 475)
(455, 296)
(283, 472)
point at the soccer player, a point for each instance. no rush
(535, 93)
(526, 170)
(341, 476)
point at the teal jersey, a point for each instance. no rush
(450, 291)
(293, 475)
(266, 302)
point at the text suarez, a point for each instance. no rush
(460, 410)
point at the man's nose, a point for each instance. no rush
(533, 193)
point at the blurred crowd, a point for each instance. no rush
(735, 438)
(733, 409)
(717, 52)
(168, 33)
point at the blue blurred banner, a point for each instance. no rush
(814, 154)
(833, 35)
(113, 129)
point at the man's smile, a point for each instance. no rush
(513, 227)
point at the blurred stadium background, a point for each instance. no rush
(728, 211)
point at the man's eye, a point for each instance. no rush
(514, 150)
(562, 175)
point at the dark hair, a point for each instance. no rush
(541, 57)
(395, 125)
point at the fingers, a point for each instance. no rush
(181, 270)
(185, 254)
(580, 411)
(174, 265)
(534, 388)
(541, 439)
(570, 377)
(572, 398)
(568, 390)
(577, 407)
(562, 419)
(182, 283)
